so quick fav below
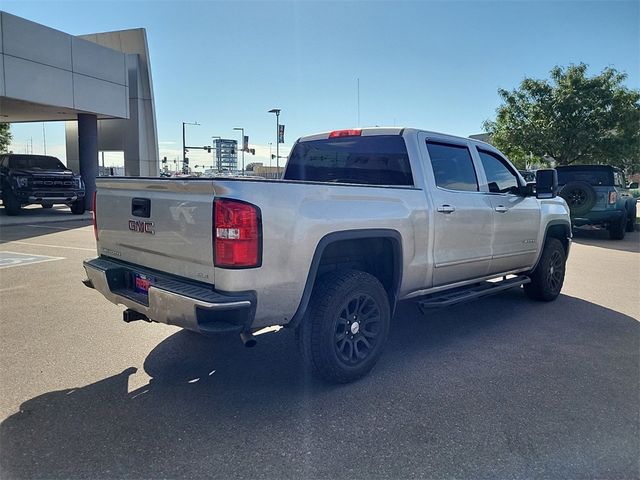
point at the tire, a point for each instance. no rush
(631, 218)
(337, 346)
(580, 196)
(77, 207)
(11, 204)
(617, 228)
(548, 276)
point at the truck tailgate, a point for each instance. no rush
(160, 224)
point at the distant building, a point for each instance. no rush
(267, 172)
(99, 84)
(483, 137)
(226, 155)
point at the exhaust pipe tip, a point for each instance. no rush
(248, 339)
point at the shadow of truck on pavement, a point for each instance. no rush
(503, 387)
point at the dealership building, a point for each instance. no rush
(98, 84)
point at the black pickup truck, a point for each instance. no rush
(38, 179)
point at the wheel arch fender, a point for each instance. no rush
(393, 236)
(560, 229)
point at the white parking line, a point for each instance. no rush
(11, 289)
(57, 228)
(15, 259)
(52, 246)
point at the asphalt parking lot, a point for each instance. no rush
(501, 388)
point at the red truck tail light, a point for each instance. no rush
(355, 132)
(94, 215)
(613, 196)
(237, 234)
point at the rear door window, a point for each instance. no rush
(452, 167)
(370, 160)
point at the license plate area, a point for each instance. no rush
(141, 283)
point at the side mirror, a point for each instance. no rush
(546, 183)
(633, 185)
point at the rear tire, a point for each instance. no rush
(346, 326)
(77, 207)
(11, 203)
(548, 276)
(617, 228)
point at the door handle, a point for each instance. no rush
(501, 209)
(446, 209)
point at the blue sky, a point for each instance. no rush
(433, 65)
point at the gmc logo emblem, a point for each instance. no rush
(141, 226)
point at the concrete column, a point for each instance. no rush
(88, 154)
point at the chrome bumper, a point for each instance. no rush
(172, 300)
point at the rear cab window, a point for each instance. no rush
(369, 160)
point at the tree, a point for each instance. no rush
(5, 137)
(571, 118)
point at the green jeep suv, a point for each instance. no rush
(598, 195)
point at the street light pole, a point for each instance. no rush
(277, 112)
(242, 142)
(184, 143)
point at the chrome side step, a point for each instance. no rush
(470, 292)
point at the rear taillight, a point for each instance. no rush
(237, 232)
(613, 196)
(94, 215)
(355, 132)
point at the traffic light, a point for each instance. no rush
(164, 160)
(252, 151)
(208, 148)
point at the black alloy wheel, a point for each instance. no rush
(346, 326)
(555, 271)
(548, 276)
(357, 329)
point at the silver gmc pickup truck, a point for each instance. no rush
(360, 220)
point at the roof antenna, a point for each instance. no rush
(358, 124)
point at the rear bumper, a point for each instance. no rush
(172, 300)
(598, 217)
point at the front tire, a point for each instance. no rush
(346, 326)
(77, 207)
(548, 276)
(11, 203)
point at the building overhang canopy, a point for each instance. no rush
(13, 110)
